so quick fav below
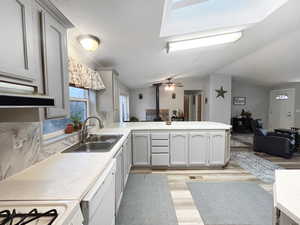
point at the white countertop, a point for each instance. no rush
(287, 193)
(192, 125)
(69, 176)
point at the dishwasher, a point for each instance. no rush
(98, 205)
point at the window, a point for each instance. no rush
(282, 97)
(79, 108)
(124, 108)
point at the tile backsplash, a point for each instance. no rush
(21, 146)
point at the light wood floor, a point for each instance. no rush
(186, 210)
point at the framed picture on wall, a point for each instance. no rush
(239, 100)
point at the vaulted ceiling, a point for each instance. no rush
(131, 43)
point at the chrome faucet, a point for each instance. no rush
(84, 132)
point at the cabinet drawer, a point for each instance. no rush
(160, 136)
(160, 149)
(160, 159)
(160, 143)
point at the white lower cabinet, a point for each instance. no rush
(199, 148)
(123, 165)
(119, 178)
(217, 148)
(179, 149)
(99, 203)
(127, 158)
(160, 159)
(141, 149)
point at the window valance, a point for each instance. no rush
(84, 77)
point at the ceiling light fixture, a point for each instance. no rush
(89, 42)
(203, 41)
(170, 87)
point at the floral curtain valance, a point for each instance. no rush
(84, 77)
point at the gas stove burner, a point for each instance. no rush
(13, 217)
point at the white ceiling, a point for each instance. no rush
(130, 30)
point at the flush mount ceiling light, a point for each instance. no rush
(203, 42)
(89, 42)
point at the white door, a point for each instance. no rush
(141, 149)
(282, 109)
(217, 148)
(179, 149)
(199, 148)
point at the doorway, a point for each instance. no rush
(192, 105)
(282, 109)
(124, 108)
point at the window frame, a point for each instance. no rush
(61, 132)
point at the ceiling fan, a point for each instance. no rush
(169, 84)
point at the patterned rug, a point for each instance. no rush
(259, 167)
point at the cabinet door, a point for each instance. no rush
(217, 148)
(179, 149)
(119, 178)
(141, 149)
(56, 61)
(198, 148)
(125, 163)
(16, 59)
(129, 148)
(227, 150)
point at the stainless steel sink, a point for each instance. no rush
(96, 143)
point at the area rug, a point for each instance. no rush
(232, 203)
(147, 201)
(259, 167)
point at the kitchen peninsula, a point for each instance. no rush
(88, 177)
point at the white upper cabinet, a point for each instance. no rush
(141, 149)
(109, 98)
(217, 148)
(16, 42)
(179, 149)
(56, 65)
(198, 148)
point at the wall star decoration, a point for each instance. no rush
(221, 92)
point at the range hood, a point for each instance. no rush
(21, 96)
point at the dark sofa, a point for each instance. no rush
(272, 143)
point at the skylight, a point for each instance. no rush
(196, 16)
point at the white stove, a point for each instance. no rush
(40, 213)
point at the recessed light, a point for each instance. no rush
(89, 42)
(203, 41)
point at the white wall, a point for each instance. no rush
(206, 97)
(257, 100)
(167, 102)
(138, 107)
(219, 108)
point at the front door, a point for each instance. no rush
(282, 109)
